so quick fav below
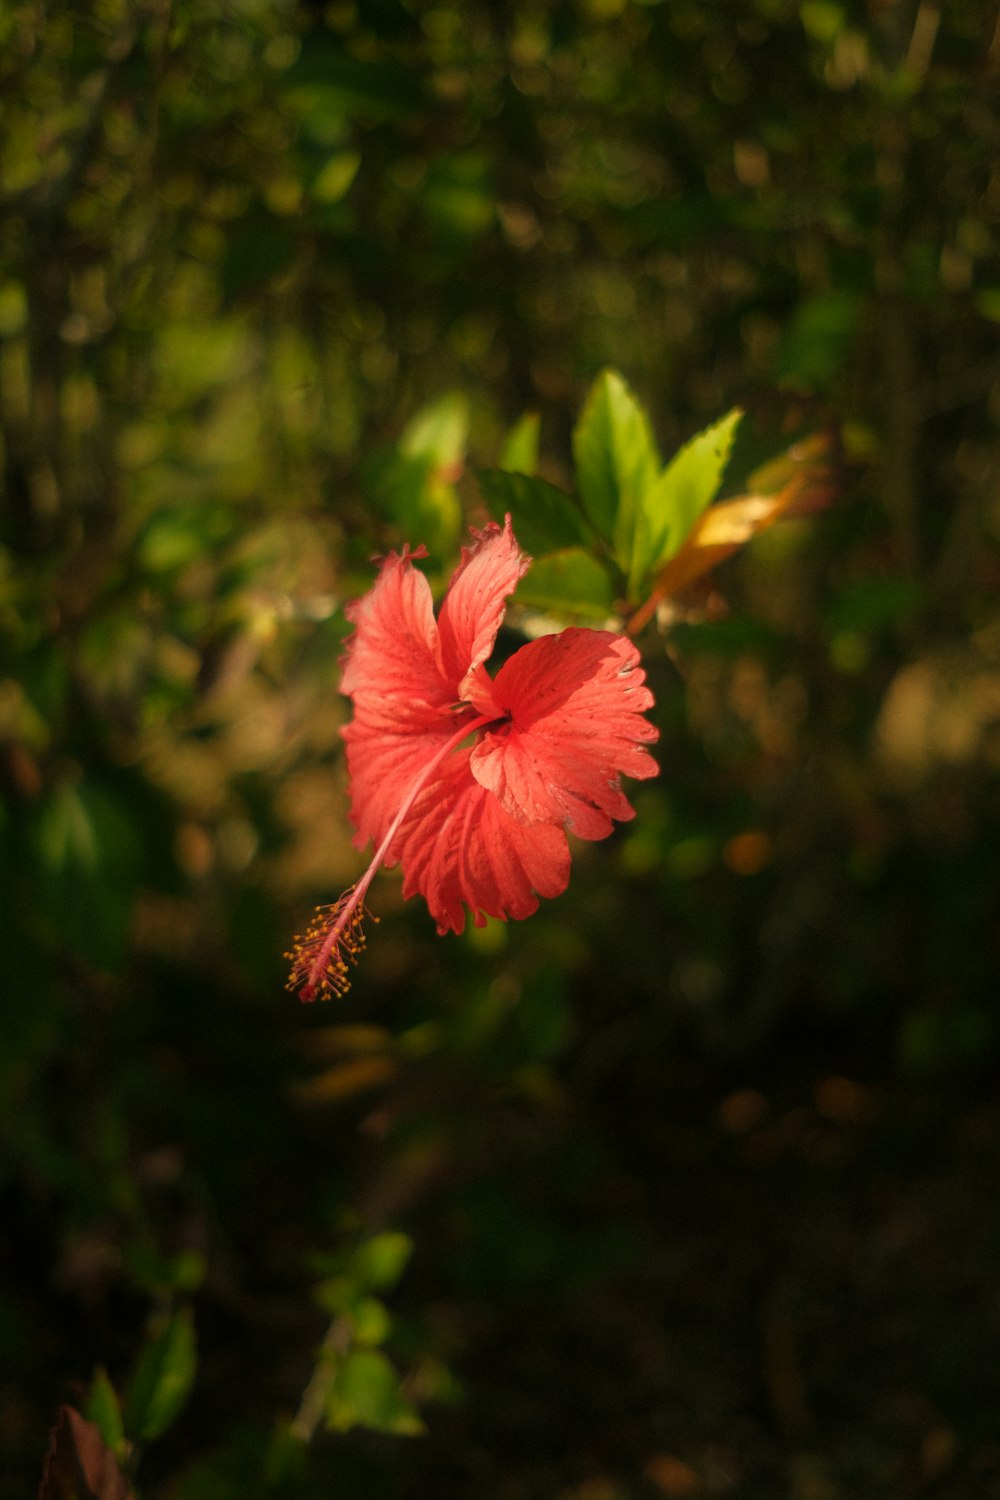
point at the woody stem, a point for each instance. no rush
(359, 892)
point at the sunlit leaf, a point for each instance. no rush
(616, 461)
(520, 450)
(438, 432)
(371, 1320)
(415, 482)
(333, 181)
(719, 533)
(673, 504)
(380, 1261)
(368, 1318)
(822, 19)
(366, 1393)
(807, 482)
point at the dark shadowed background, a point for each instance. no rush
(686, 1186)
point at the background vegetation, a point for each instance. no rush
(686, 1186)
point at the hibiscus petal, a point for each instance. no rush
(475, 603)
(383, 767)
(392, 663)
(459, 849)
(576, 702)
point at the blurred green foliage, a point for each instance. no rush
(697, 1165)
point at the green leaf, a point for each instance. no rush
(326, 85)
(253, 254)
(670, 508)
(988, 303)
(415, 481)
(179, 533)
(366, 1393)
(183, 1272)
(369, 1318)
(89, 863)
(104, 1410)
(822, 19)
(285, 1459)
(616, 461)
(817, 345)
(545, 518)
(571, 583)
(520, 451)
(457, 195)
(163, 1378)
(372, 1323)
(336, 177)
(13, 309)
(381, 1261)
(872, 604)
(438, 431)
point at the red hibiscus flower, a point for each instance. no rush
(472, 783)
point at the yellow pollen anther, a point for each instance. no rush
(323, 955)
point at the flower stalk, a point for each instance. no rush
(322, 957)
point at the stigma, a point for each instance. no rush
(323, 956)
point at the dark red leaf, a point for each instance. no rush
(79, 1465)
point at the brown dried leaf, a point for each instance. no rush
(345, 1080)
(807, 482)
